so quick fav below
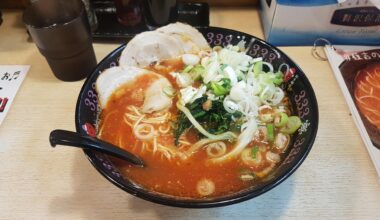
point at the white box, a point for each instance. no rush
(301, 22)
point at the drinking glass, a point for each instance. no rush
(61, 32)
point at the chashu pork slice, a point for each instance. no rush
(149, 47)
(111, 79)
(192, 40)
(154, 97)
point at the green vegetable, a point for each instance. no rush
(215, 121)
(218, 120)
(224, 136)
(237, 114)
(220, 88)
(235, 126)
(270, 132)
(197, 103)
(281, 119)
(188, 68)
(278, 78)
(258, 68)
(196, 72)
(181, 125)
(292, 125)
(223, 66)
(255, 150)
(226, 83)
(269, 78)
(197, 113)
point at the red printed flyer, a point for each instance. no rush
(11, 77)
(357, 70)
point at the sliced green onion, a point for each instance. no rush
(258, 67)
(255, 150)
(188, 68)
(270, 130)
(281, 119)
(226, 83)
(278, 79)
(218, 89)
(223, 66)
(294, 122)
(196, 72)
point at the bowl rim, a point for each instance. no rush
(223, 201)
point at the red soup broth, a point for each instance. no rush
(173, 176)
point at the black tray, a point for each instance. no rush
(195, 14)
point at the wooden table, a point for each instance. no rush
(336, 181)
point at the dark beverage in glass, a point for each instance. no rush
(62, 34)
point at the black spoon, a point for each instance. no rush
(73, 139)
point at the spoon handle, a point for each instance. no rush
(73, 139)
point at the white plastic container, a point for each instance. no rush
(301, 22)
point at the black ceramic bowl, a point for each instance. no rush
(301, 95)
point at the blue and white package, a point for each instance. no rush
(301, 22)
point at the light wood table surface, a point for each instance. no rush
(336, 181)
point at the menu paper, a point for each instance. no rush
(11, 77)
(349, 63)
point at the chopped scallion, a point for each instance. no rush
(281, 119)
(196, 72)
(270, 132)
(223, 66)
(255, 150)
(278, 79)
(218, 90)
(188, 68)
(294, 122)
(258, 68)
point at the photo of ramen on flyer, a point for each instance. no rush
(361, 73)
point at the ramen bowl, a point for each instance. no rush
(296, 84)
